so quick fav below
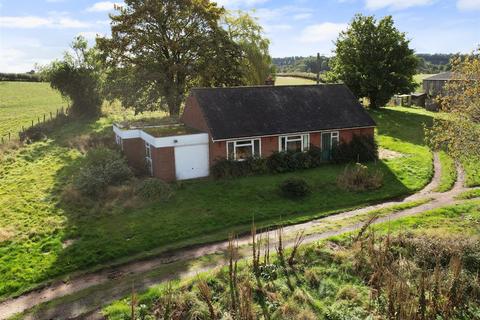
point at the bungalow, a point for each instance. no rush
(242, 122)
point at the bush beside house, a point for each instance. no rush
(359, 149)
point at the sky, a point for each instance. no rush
(38, 31)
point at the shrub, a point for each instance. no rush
(103, 167)
(358, 177)
(78, 78)
(361, 148)
(153, 189)
(295, 188)
(280, 162)
(224, 168)
(41, 130)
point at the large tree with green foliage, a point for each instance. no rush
(159, 49)
(374, 60)
(256, 63)
(459, 133)
(78, 78)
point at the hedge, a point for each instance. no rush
(359, 149)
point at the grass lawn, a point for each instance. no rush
(22, 102)
(35, 223)
(449, 172)
(461, 219)
(289, 81)
(472, 171)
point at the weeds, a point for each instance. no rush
(408, 277)
(358, 178)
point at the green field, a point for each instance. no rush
(22, 102)
(290, 81)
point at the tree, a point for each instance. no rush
(78, 78)
(374, 60)
(159, 49)
(256, 63)
(459, 134)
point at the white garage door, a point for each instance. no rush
(191, 162)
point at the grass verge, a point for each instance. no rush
(449, 173)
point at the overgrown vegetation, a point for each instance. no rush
(360, 149)
(78, 78)
(359, 178)
(380, 272)
(102, 168)
(153, 189)
(294, 188)
(460, 133)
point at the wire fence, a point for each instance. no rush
(51, 116)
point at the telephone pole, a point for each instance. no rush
(318, 68)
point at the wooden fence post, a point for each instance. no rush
(44, 117)
(9, 136)
(32, 123)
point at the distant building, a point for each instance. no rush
(433, 87)
(419, 98)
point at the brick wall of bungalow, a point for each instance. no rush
(134, 151)
(163, 163)
(163, 159)
(270, 145)
(193, 117)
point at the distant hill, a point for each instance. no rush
(429, 63)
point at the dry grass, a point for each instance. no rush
(359, 178)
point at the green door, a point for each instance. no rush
(326, 146)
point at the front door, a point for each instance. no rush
(326, 146)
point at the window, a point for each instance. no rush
(335, 139)
(148, 158)
(294, 143)
(118, 140)
(243, 149)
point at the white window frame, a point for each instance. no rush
(334, 136)
(244, 143)
(148, 157)
(119, 141)
(303, 138)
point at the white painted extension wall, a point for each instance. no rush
(191, 151)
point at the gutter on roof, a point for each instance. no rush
(290, 133)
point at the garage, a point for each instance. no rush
(191, 161)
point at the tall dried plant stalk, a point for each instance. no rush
(206, 296)
(299, 237)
